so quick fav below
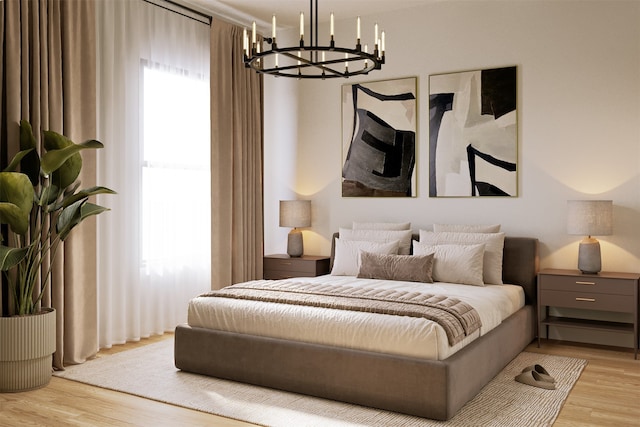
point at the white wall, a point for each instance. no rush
(579, 124)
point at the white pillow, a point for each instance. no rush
(380, 236)
(381, 225)
(346, 260)
(494, 247)
(454, 263)
(463, 228)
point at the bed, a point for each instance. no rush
(413, 385)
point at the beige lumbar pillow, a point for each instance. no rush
(409, 268)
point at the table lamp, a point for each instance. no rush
(589, 218)
(295, 213)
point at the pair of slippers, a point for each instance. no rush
(537, 376)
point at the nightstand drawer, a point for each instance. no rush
(588, 301)
(290, 264)
(284, 267)
(590, 284)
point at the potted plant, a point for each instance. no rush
(40, 203)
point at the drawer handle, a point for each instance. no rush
(285, 263)
(585, 283)
(586, 299)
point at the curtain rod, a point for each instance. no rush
(201, 17)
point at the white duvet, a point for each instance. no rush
(382, 333)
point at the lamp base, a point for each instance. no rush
(589, 259)
(294, 243)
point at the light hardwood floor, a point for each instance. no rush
(607, 394)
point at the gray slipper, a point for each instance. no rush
(541, 371)
(534, 379)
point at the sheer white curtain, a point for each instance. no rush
(153, 117)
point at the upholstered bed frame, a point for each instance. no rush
(434, 389)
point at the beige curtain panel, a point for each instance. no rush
(49, 79)
(236, 161)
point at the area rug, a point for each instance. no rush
(149, 372)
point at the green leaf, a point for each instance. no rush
(10, 257)
(13, 166)
(74, 215)
(30, 164)
(12, 215)
(83, 194)
(63, 158)
(16, 200)
(49, 195)
(69, 218)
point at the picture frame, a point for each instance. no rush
(473, 133)
(379, 138)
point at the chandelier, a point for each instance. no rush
(311, 60)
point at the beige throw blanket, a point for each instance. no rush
(457, 318)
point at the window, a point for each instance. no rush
(176, 196)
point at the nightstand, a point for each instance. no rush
(607, 291)
(284, 267)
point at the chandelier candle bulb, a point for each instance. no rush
(358, 29)
(331, 30)
(382, 43)
(273, 27)
(245, 42)
(253, 35)
(301, 27)
(375, 31)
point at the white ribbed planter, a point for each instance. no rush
(26, 346)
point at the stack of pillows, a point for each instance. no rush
(466, 254)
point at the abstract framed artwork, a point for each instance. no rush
(379, 138)
(473, 133)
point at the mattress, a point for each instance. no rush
(390, 334)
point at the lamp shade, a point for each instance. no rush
(590, 217)
(295, 213)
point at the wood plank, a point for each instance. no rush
(608, 390)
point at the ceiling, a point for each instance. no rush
(243, 12)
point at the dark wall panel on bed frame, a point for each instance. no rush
(427, 388)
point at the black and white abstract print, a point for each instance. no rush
(473, 128)
(379, 138)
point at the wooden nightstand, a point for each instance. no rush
(607, 291)
(283, 266)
